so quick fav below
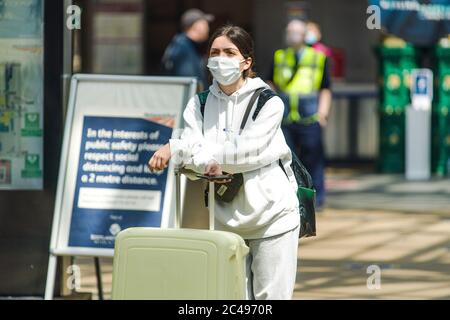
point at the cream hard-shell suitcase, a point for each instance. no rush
(179, 264)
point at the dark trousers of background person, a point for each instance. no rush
(307, 142)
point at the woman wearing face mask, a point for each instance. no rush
(265, 210)
(314, 37)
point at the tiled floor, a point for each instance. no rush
(373, 220)
(411, 250)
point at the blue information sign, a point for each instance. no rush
(114, 188)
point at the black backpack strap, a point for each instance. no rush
(249, 107)
(203, 96)
(280, 163)
(264, 96)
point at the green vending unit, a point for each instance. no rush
(392, 142)
(441, 117)
(397, 59)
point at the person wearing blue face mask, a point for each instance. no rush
(313, 38)
(265, 210)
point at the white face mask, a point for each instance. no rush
(225, 70)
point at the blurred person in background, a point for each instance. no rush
(314, 37)
(301, 76)
(183, 56)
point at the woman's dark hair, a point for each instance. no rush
(242, 40)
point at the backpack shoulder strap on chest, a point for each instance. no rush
(202, 97)
(264, 96)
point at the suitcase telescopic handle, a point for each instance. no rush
(211, 205)
(211, 199)
(178, 198)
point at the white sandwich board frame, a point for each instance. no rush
(114, 97)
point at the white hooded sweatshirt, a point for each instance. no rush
(267, 204)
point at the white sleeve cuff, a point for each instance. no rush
(178, 151)
(201, 159)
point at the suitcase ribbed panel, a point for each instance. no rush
(178, 264)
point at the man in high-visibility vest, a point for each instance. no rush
(301, 77)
